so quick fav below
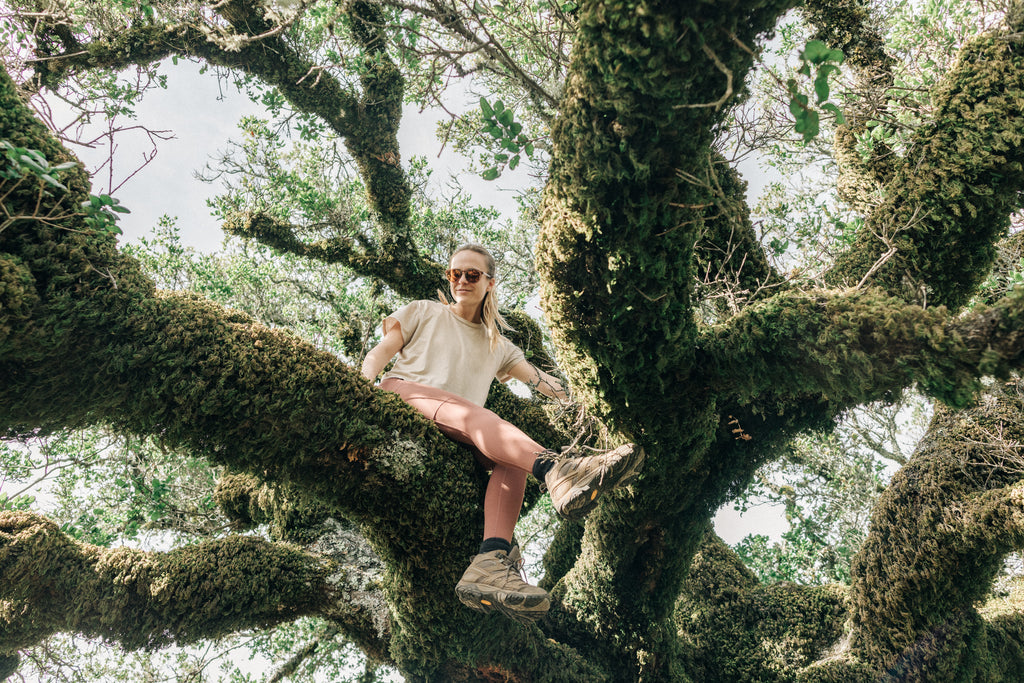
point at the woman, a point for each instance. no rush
(447, 356)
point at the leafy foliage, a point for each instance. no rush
(818, 62)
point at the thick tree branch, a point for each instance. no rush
(412, 276)
(743, 630)
(619, 222)
(931, 240)
(271, 59)
(355, 571)
(938, 539)
(142, 599)
(856, 346)
(850, 27)
(732, 266)
(615, 255)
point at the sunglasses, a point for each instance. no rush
(472, 275)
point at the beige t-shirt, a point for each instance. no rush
(448, 352)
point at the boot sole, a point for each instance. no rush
(526, 609)
(585, 496)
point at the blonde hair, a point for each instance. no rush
(493, 321)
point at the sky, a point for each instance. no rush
(203, 114)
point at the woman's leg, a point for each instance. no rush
(505, 448)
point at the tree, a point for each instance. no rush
(372, 512)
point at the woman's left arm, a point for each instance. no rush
(525, 372)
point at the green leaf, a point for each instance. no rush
(808, 126)
(798, 105)
(31, 163)
(120, 209)
(505, 118)
(490, 174)
(835, 56)
(486, 108)
(495, 132)
(821, 87)
(498, 107)
(840, 119)
(53, 181)
(517, 128)
(501, 158)
(513, 162)
(528, 148)
(815, 51)
(826, 69)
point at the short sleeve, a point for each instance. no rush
(408, 316)
(513, 355)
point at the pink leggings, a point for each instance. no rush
(500, 445)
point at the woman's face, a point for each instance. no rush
(467, 292)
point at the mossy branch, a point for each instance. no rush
(409, 274)
(931, 240)
(856, 346)
(732, 266)
(851, 27)
(938, 538)
(619, 222)
(147, 600)
(615, 255)
(270, 59)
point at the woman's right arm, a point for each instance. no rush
(381, 354)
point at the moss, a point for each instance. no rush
(374, 141)
(615, 256)
(952, 196)
(147, 600)
(743, 631)
(8, 665)
(729, 255)
(616, 246)
(1006, 642)
(837, 670)
(939, 536)
(561, 553)
(848, 25)
(855, 346)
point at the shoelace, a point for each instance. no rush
(516, 566)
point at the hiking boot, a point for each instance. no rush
(576, 483)
(493, 583)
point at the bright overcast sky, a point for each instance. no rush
(203, 116)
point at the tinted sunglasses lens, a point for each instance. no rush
(454, 274)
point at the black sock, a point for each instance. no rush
(495, 543)
(541, 466)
